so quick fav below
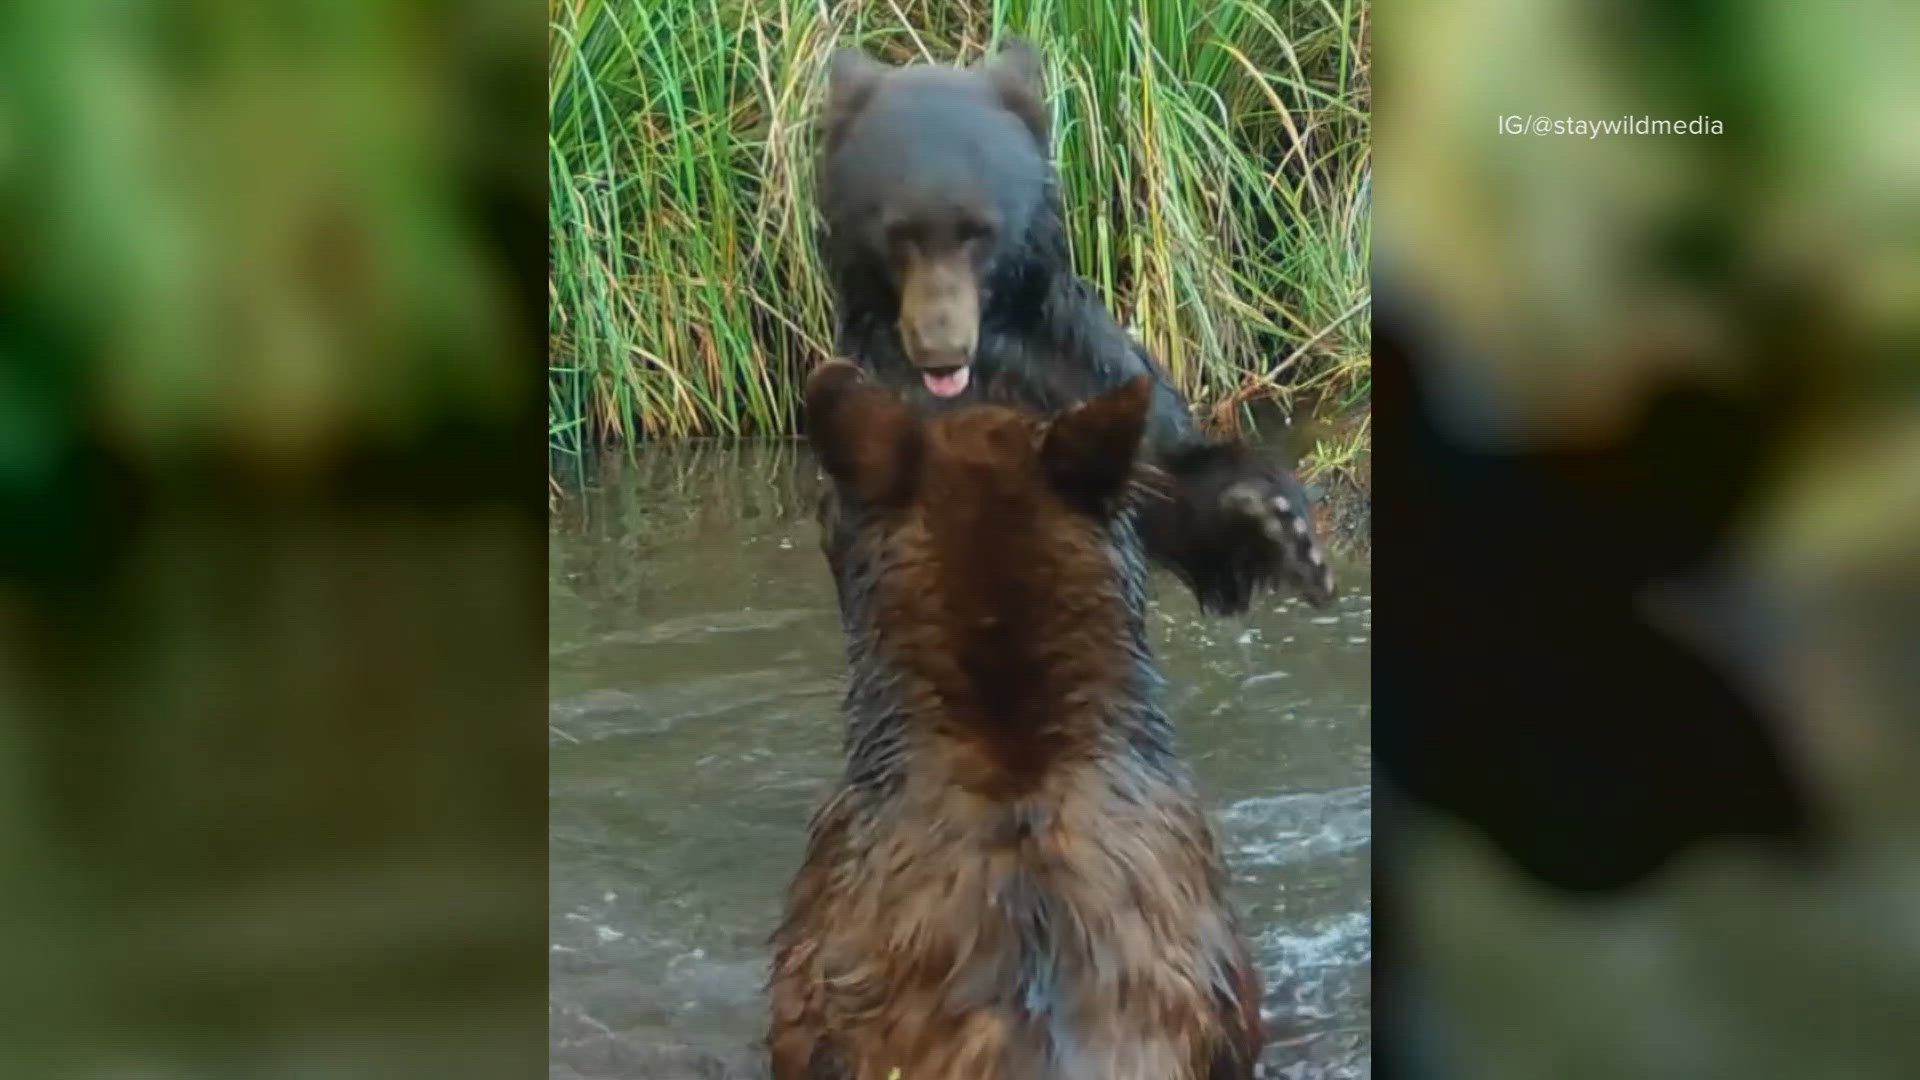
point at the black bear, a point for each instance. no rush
(1013, 879)
(947, 252)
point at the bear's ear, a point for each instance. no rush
(851, 77)
(865, 437)
(1018, 74)
(1090, 451)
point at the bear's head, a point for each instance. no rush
(931, 183)
(989, 550)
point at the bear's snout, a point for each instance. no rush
(940, 312)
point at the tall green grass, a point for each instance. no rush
(1214, 157)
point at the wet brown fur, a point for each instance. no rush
(1018, 883)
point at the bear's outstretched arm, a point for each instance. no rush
(1221, 517)
(1227, 521)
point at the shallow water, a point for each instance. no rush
(694, 663)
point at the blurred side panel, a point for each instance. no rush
(1647, 544)
(272, 771)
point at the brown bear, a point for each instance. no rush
(1014, 878)
(947, 253)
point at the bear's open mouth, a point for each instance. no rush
(946, 382)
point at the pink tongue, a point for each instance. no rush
(947, 385)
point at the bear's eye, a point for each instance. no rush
(902, 236)
(971, 231)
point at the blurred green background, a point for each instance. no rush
(272, 775)
(1573, 279)
(1215, 160)
(252, 233)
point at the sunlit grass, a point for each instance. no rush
(1214, 158)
